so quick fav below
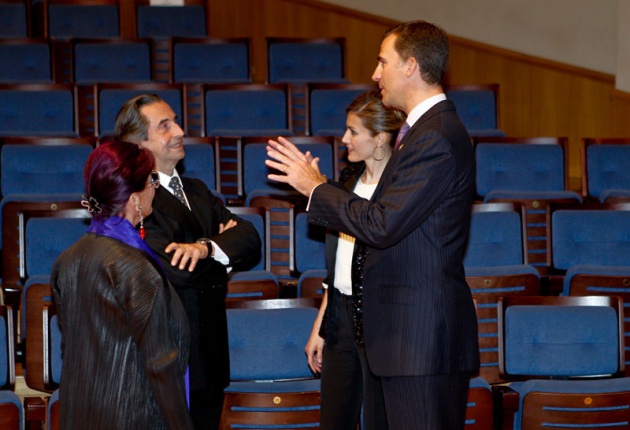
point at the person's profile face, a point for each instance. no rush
(358, 140)
(165, 136)
(389, 73)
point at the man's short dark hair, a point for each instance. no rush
(425, 42)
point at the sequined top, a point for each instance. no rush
(348, 177)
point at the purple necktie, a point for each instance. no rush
(403, 130)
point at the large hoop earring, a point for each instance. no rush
(378, 153)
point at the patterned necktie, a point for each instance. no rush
(176, 186)
(403, 130)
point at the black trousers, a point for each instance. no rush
(346, 380)
(205, 408)
(433, 402)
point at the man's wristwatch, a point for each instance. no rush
(204, 241)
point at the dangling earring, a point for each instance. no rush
(142, 232)
(380, 151)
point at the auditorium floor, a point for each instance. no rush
(21, 389)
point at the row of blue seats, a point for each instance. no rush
(593, 237)
(102, 19)
(180, 59)
(507, 168)
(590, 248)
(582, 339)
(34, 177)
(212, 109)
(571, 325)
(494, 224)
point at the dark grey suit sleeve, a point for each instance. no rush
(414, 184)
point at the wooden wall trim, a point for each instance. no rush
(493, 49)
(621, 95)
(353, 13)
(532, 59)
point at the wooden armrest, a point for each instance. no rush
(506, 403)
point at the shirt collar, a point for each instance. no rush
(166, 179)
(423, 107)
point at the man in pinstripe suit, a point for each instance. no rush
(419, 319)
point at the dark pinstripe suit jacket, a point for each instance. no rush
(419, 317)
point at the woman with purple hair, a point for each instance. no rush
(125, 335)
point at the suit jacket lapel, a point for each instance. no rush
(196, 202)
(171, 207)
(408, 140)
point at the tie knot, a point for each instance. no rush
(174, 183)
(401, 133)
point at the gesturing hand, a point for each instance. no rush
(301, 171)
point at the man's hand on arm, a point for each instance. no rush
(228, 225)
(187, 254)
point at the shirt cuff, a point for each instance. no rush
(219, 255)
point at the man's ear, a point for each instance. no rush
(411, 66)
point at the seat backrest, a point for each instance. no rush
(47, 238)
(7, 348)
(37, 110)
(496, 236)
(37, 297)
(494, 269)
(39, 169)
(520, 164)
(111, 97)
(301, 60)
(230, 168)
(268, 344)
(13, 19)
(15, 215)
(255, 171)
(111, 60)
(479, 407)
(65, 19)
(327, 105)
(246, 110)
(310, 283)
(53, 360)
(186, 20)
(593, 404)
(605, 166)
(205, 60)
(590, 237)
(477, 106)
(309, 245)
(25, 60)
(11, 414)
(258, 217)
(52, 412)
(252, 285)
(560, 336)
(279, 234)
(199, 162)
